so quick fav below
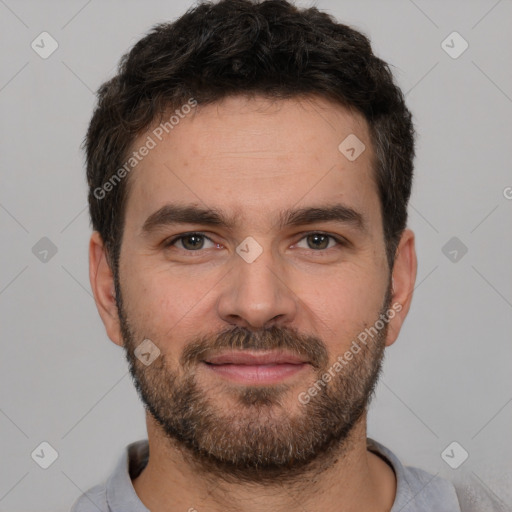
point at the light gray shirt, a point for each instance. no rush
(417, 490)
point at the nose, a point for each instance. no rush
(256, 295)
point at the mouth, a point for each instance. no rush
(246, 367)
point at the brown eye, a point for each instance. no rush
(190, 242)
(319, 241)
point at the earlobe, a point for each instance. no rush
(102, 284)
(403, 280)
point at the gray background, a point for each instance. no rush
(447, 378)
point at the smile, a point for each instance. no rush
(256, 368)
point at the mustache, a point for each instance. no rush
(273, 338)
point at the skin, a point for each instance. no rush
(252, 158)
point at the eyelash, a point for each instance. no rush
(172, 241)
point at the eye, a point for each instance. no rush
(194, 242)
(320, 241)
(191, 242)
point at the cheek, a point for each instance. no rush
(342, 305)
(167, 308)
(155, 290)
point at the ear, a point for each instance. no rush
(404, 278)
(102, 284)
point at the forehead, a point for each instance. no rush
(252, 157)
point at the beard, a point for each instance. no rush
(256, 433)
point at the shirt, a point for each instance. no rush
(417, 490)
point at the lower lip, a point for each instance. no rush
(257, 374)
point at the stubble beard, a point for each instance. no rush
(257, 437)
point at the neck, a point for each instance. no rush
(347, 478)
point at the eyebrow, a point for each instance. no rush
(172, 214)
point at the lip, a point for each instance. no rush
(255, 358)
(252, 368)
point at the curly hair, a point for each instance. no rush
(270, 48)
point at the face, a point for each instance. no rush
(252, 257)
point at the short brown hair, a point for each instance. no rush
(269, 48)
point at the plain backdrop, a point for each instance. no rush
(446, 379)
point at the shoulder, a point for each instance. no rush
(421, 491)
(94, 500)
(116, 493)
(417, 490)
(424, 491)
(475, 496)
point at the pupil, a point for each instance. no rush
(194, 241)
(195, 244)
(316, 239)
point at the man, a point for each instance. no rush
(249, 170)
